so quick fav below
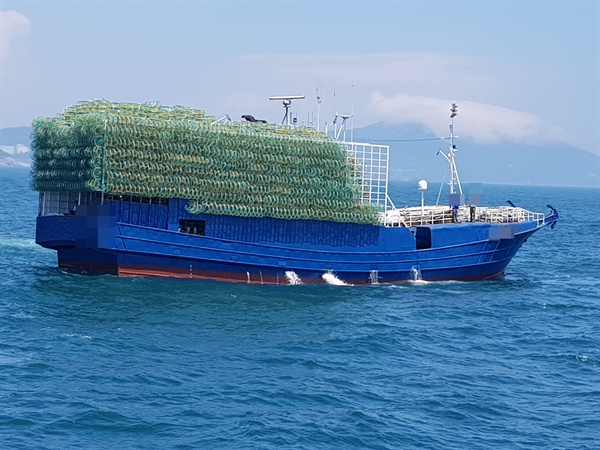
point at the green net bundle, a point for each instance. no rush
(241, 169)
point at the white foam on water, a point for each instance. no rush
(292, 277)
(72, 335)
(333, 280)
(418, 282)
(19, 243)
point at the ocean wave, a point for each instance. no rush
(20, 243)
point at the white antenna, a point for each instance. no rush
(422, 188)
(334, 123)
(343, 125)
(224, 119)
(352, 116)
(318, 109)
(287, 101)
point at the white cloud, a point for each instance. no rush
(483, 123)
(415, 72)
(346, 81)
(13, 27)
(424, 80)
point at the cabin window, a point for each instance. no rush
(196, 227)
(58, 203)
(423, 238)
(97, 197)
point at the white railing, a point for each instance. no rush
(433, 215)
(507, 214)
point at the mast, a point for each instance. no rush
(454, 179)
(450, 157)
(318, 110)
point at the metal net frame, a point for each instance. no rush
(240, 169)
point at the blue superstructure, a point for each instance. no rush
(130, 237)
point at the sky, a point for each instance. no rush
(520, 71)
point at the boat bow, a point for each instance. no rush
(552, 218)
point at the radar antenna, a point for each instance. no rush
(287, 101)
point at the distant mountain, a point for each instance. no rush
(15, 136)
(413, 157)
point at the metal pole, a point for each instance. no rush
(104, 161)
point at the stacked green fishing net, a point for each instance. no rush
(240, 169)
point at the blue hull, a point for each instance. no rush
(165, 240)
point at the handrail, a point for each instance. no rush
(433, 215)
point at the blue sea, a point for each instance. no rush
(97, 361)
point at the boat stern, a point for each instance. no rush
(88, 226)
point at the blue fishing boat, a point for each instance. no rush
(147, 190)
